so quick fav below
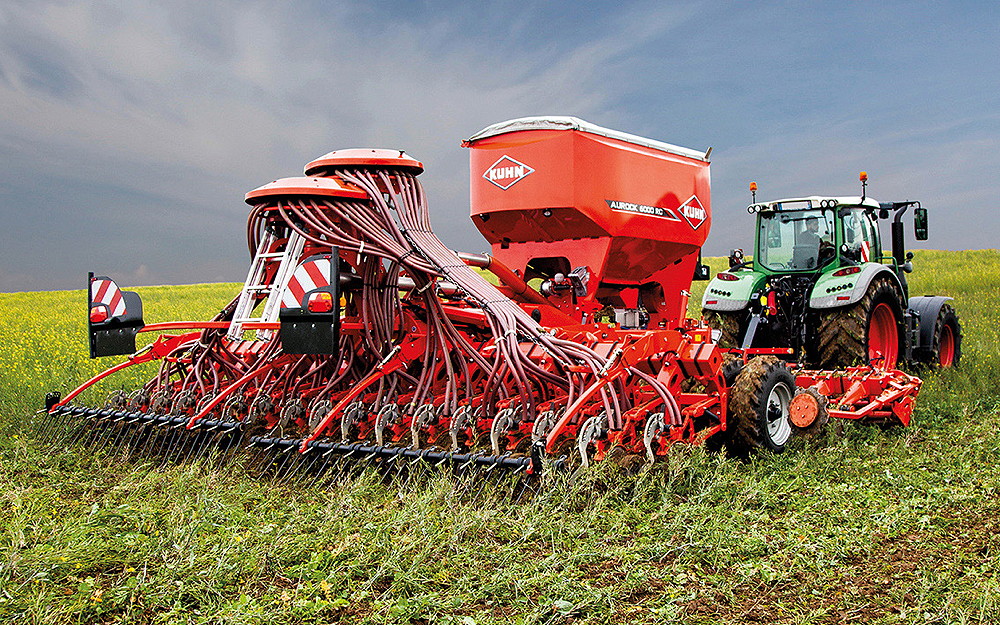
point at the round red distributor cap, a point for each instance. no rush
(803, 410)
(365, 158)
(302, 186)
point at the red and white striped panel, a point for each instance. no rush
(312, 274)
(866, 251)
(105, 291)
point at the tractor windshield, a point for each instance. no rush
(795, 240)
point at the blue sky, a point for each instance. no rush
(131, 130)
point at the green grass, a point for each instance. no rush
(863, 526)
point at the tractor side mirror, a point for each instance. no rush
(920, 223)
(701, 270)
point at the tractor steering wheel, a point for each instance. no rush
(826, 253)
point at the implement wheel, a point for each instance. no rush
(868, 332)
(728, 323)
(946, 349)
(759, 407)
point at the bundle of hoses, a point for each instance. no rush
(390, 233)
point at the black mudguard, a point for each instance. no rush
(927, 308)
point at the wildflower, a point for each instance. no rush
(96, 597)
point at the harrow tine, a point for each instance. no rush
(50, 425)
(123, 430)
(259, 460)
(187, 443)
(200, 441)
(139, 443)
(171, 438)
(282, 461)
(178, 436)
(317, 459)
(204, 445)
(123, 444)
(108, 429)
(165, 439)
(45, 424)
(139, 436)
(69, 430)
(90, 436)
(190, 440)
(292, 463)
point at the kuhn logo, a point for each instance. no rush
(693, 212)
(506, 171)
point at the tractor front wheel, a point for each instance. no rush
(758, 407)
(869, 332)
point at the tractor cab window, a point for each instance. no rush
(796, 240)
(860, 236)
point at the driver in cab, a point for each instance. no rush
(810, 250)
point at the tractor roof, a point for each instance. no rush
(813, 201)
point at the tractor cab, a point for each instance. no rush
(815, 234)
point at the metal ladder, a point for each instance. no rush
(254, 286)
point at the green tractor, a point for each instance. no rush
(821, 287)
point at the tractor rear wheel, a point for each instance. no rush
(868, 332)
(758, 416)
(728, 323)
(946, 348)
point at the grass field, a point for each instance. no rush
(864, 525)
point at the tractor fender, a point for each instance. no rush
(927, 308)
(832, 291)
(731, 295)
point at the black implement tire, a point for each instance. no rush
(946, 346)
(758, 407)
(728, 323)
(844, 333)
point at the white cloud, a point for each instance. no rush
(196, 103)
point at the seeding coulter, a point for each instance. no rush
(358, 334)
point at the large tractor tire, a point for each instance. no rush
(946, 347)
(868, 332)
(728, 323)
(758, 418)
